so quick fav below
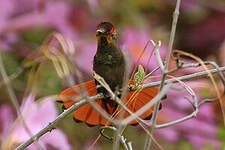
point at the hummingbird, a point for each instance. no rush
(109, 63)
(109, 60)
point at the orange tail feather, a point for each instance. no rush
(86, 113)
(136, 100)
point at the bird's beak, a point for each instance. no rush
(100, 31)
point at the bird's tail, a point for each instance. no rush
(86, 113)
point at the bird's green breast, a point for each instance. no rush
(109, 55)
(109, 64)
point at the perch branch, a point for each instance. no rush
(186, 77)
(171, 41)
(52, 124)
(99, 96)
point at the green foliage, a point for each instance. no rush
(12, 67)
(208, 147)
(139, 77)
(48, 81)
(221, 135)
(205, 92)
(11, 62)
(35, 36)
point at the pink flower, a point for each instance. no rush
(36, 116)
(6, 11)
(199, 131)
(135, 41)
(53, 15)
(84, 55)
(6, 119)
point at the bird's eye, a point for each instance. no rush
(113, 35)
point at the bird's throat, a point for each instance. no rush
(104, 41)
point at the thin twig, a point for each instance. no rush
(158, 57)
(114, 96)
(219, 72)
(206, 101)
(193, 114)
(52, 124)
(184, 66)
(99, 96)
(171, 41)
(122, 139)
(154, 70)
(120, 127)
(130, 145)
(13, 76)
(172, 33)
(101, 129)
(194, 104)
(185, 77)
(147, 106)
(102, 112)
(68, 49)
(14, 101)
(196, 58)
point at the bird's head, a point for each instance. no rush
(106, 33)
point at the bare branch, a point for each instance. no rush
(101, 129)
(120, 127)
(99, 96)
(171, 41)
(172, 33)
(219, 71)
(154, 70)
(206, 101)
(113, 96)
(52, 124)
(185, 77)
(147, 106)
(193, 114)
(158, 57)
(130, 145)
(14, 101)
(126, 145)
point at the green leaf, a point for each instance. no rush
(139, 76)
(221, 135)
